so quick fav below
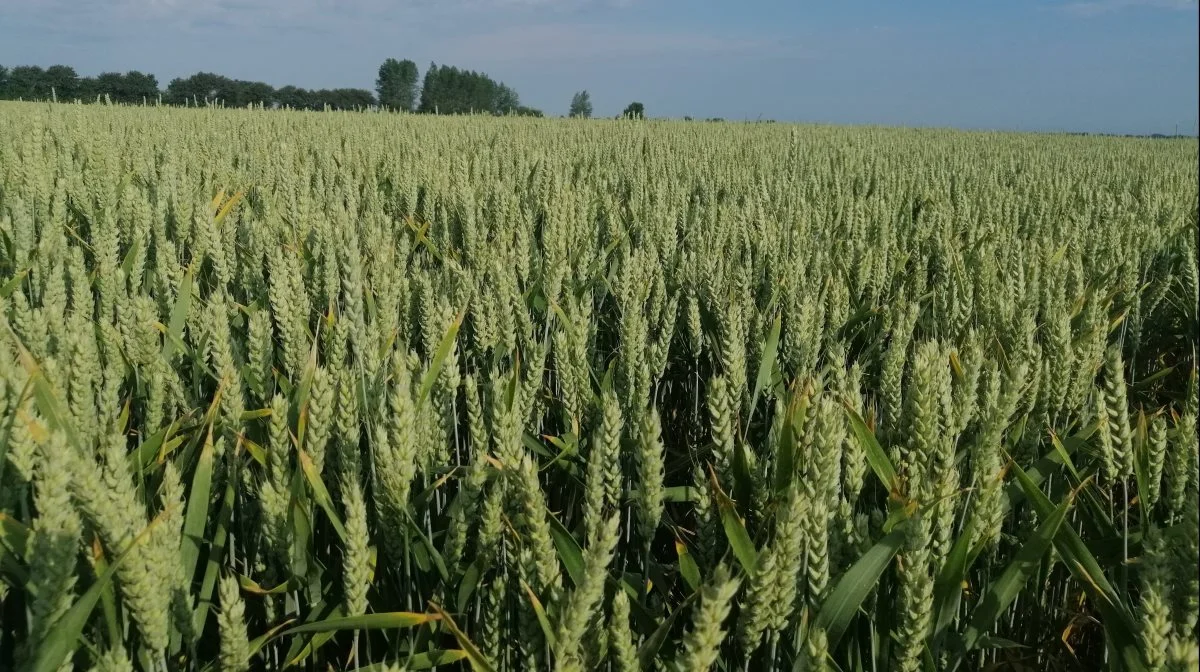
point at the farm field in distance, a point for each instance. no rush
(343, 391)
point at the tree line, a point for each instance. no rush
(450, 90)
(445, 90)
(31, 82)
(206, 86)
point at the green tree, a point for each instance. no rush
(62, 82)
(198, 89)
(396, 85)
(3, 83)
(290, 96)
(523, 111)
(634, 110)
(344, 99)
(581, 105)
(27, 82)
(111, 84)
(131, 88)
(258, 93)
(450, 90)
(140, 87)
(431, 89)
(207, 87)
(505, 100)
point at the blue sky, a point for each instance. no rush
(1125, 66)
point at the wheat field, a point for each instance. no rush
(339, 391)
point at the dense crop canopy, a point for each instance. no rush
(342, 390)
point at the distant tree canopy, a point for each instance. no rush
(30, 82)
(446, 90)
(206, 86)
(581, 105)
(450, 90)
(396, 85)
(62, 81)
(318, 99)
(523, 111)
(132, 87)
(634, 110)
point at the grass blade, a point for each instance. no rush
(179, 314)
(216, 555)
(735, 530)
(854, 586)
(61, 640)
(876, 456)
(385, 621)
(439, 357)
(540, 612)
(688, 568)
(321, 494)
(649, 649)
(478, 661)
(1004, 590)
(1118, 622)
(11, 285)
(197, 509)
(948, 588)
(569, 551)
(766, 365)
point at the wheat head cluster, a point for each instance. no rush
(346, 391)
